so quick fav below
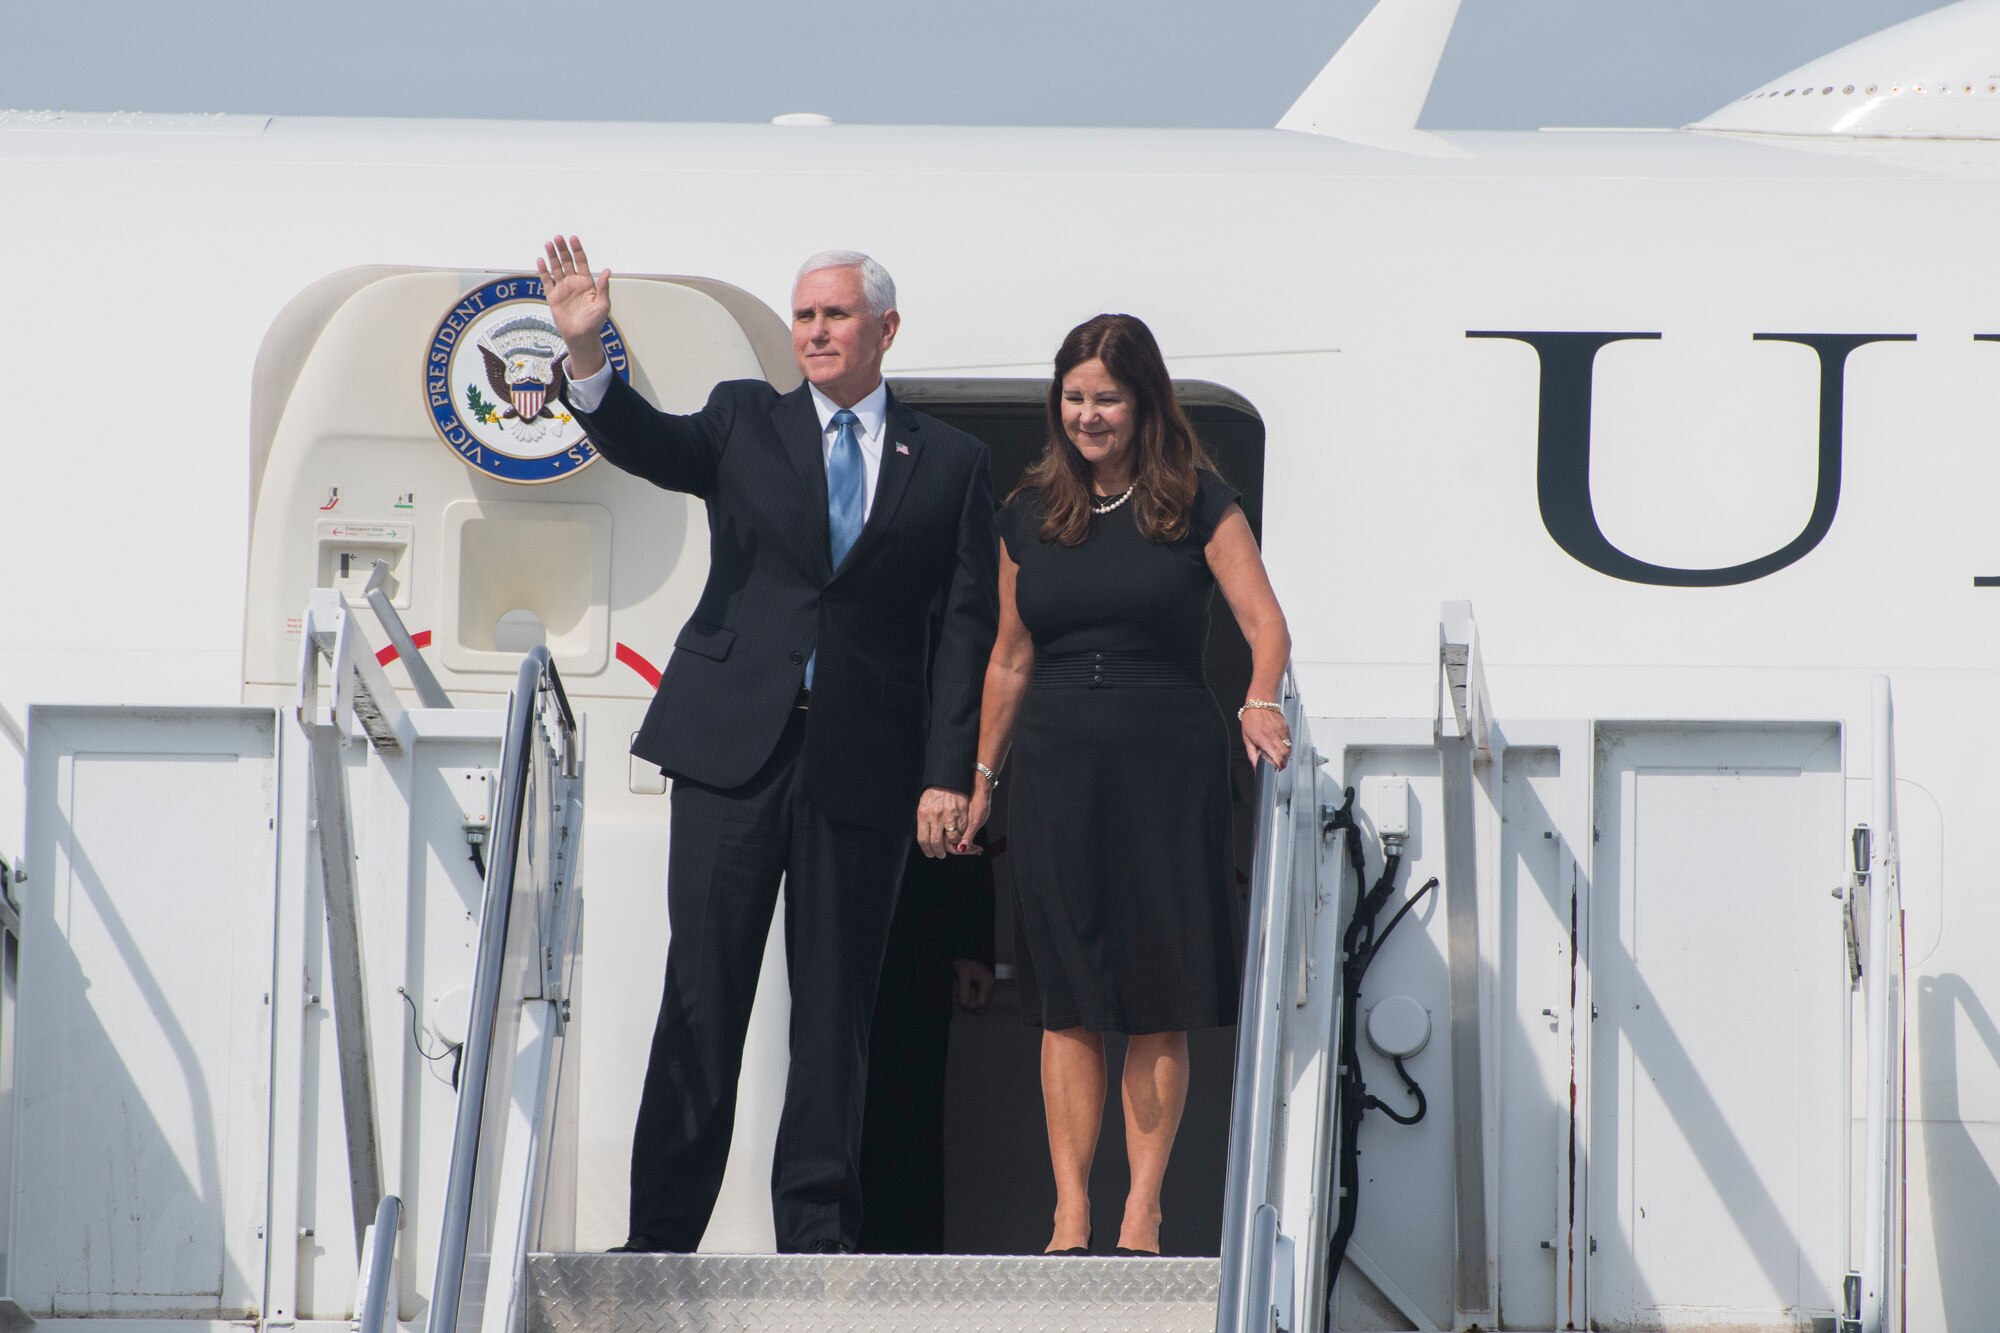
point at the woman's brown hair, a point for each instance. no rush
(1167, 450)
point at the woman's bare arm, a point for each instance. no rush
(1007, 675)
(1239, 571)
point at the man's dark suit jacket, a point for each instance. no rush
(876, 736)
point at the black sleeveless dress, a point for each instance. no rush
(1118, 798)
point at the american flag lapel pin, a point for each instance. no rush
(903, 449)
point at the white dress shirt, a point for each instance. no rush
(871, 419)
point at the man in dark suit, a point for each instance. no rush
(795, 720)
(940, 950)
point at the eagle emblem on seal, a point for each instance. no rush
(524, 366)
(494, 378)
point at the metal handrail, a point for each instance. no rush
(1884, 903)
(372, 1313)
(1260, 1295)
(1253, 1097)
(537, 671)
(429, 692)
(11, 728)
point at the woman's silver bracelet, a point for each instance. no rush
(992, 778)
(1249, 704)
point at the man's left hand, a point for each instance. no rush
(941, 820)
(971, 984)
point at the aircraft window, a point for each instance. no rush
(518, 631)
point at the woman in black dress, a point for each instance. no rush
(1112, 548)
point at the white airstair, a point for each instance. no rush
(1245, 1289)
(219, 899)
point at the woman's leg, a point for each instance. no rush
(1155, 1086)
(1073, 1094)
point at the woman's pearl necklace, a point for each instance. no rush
(1097, 508)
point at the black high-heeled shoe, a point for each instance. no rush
(1135, 1254)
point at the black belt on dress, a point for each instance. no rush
(1100, 671)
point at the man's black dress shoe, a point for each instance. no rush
(830, 1247)
(642, 1245)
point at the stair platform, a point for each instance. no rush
(867, 1293)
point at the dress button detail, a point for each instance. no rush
(797, 657)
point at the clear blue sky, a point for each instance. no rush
(1512, 64)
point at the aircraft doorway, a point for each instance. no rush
(998, 1190)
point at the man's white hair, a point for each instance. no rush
(876, 284)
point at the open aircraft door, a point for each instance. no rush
(412, 417)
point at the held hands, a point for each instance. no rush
(980, 808)
(1265, 736)
(941, 821)
(578, 303)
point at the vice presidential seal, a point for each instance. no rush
(493, 379)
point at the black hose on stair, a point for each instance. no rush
(1359, 945)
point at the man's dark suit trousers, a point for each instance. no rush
(728, 851)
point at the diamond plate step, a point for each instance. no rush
(864, 1293)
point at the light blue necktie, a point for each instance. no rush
(845, 480)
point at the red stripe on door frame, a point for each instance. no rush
(647, 671)
(422, 639)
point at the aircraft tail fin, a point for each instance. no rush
(1377, 82)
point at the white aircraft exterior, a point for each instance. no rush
(1700, 422)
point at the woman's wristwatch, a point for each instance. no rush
(992, 778)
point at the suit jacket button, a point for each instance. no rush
(797, 657)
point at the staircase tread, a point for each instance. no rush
(916, 1260)
(670, 1293)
